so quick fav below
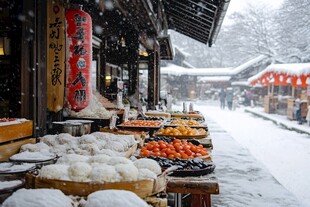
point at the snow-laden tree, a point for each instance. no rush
(293, 21)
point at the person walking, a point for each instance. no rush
(222, 98)
(229, 97)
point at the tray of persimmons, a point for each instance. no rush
(189, 157)
(182, 132)
(173, 148)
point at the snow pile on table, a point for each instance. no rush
(101, 168)
(10, 167)
(95, 109)
(9, 184)
(113, 198)
(90, 144)
(38, 198)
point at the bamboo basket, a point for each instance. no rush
(143, 188)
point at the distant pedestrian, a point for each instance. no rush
(235, 103)
(222, 98)
(229, 97)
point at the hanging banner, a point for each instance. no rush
(55, 55)
(79, 58)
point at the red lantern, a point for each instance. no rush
(79, 58)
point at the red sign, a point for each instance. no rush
(79, 59)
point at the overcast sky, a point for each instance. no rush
(239, 5)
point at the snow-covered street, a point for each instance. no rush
(258, 162)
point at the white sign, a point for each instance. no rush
(143, 109)
(126, 113)
(113, 121)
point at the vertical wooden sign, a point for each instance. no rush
(55, 55)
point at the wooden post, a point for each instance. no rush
(132, 42)
(272, 89)
(56, 51)
(151, 79)
(293, 91)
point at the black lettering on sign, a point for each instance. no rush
(78, 79)
(79, 20)
(56, 71)
(79, 34)
(80, 95)
(55, 28)
(79, 49)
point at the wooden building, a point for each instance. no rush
(126, 36)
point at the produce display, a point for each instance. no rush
(149, 118)
(190, 122)
(7, 119)
(195, 167)
(174, 149)
(142, 123)
(182, 131)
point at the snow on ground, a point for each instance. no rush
(285, 153)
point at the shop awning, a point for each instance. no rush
(283, 74)
(198, 19)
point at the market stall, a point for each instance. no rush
(293, 79)
(176, 159)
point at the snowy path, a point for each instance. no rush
(286, 155)
(258, 163)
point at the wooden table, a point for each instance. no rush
(200, 189)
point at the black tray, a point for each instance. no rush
(185, 173)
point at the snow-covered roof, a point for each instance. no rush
(294, 69)
(187, 64)
(240, 83)
(248, 64)
(214, 79)
(186, 54)
(172, 69)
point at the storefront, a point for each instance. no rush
(287, 88)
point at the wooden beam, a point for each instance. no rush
(183, 11)
(192, 34)
(197, 31)
(189, 22)
(196, 4)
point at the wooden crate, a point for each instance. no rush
(9, 149)
(15, 131)
(290, 108)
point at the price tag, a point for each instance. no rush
(120, 100)
(157, 107)
(164, 108)
(126, 113)
(143, 109)
(113, 122)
